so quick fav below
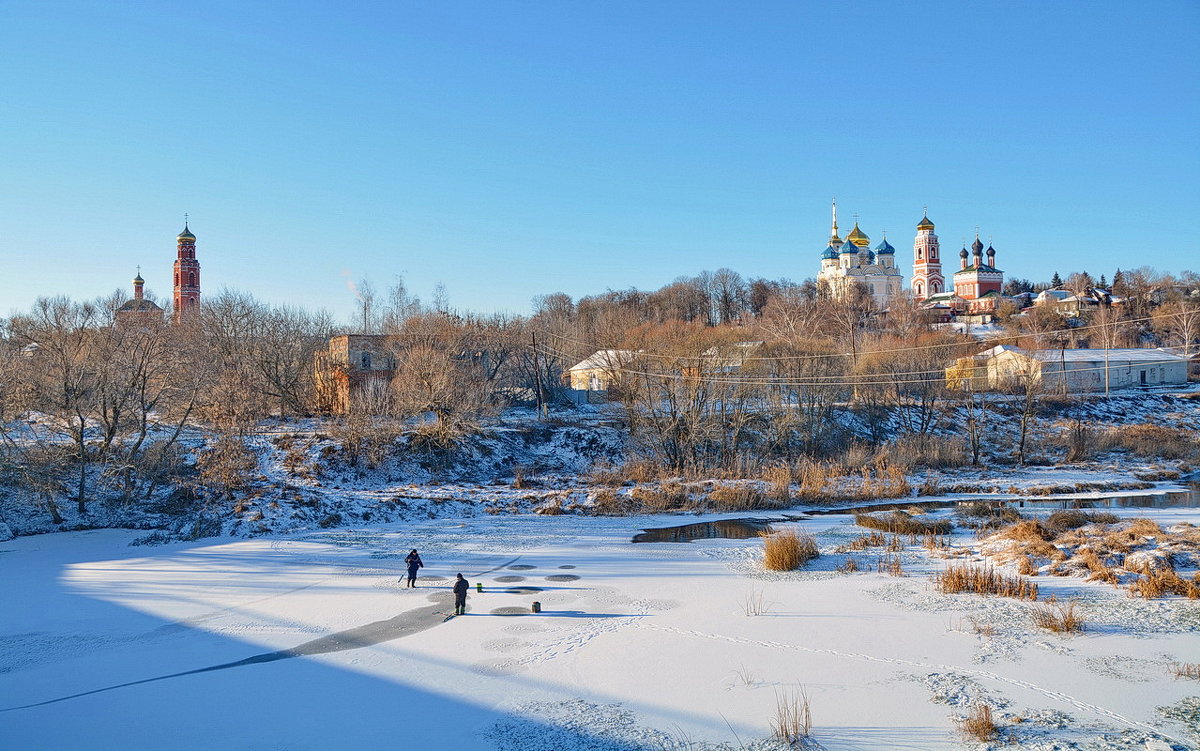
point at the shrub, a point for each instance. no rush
(1058, 617)
(1155, 441)
(984, 580)
(903, 523)
(739, 497)
(779, 483)
(1061, 521)
(1164, 581)
(669, 496)
(849, 567)
(788, 549)
(1186, 670)
(979, 724)
(792, 723)
(862, 542)
(1027, 566)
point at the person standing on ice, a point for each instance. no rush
(460, 595)
(414, 562)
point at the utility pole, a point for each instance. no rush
(537, 374)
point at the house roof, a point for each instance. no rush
(1129, 356)
(605, 358)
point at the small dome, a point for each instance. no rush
(885, 248)
(138, 279)
(991, 251)
(849, 247)
(977, 246)
(830, 252)
(962, 253)
(925, 223)
(858, 237)
(186, 234)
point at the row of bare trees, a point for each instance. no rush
(723, 372)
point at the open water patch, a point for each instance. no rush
(511, 610)
(726, 529)
(509, 578)
(562, 578)
(521, 567)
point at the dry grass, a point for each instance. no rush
(788, 549)
(849, 567)
(979, 724)
(983, 580)
(754, 603)
(1186, 670)
(1138, 554)
(1061, 618)
(792, 723)
(1027, 566)
(1162, 582)
(890, 565)
(1099, 570)
(926, 451)
(903, 523)
(862, 542)
(855, 478)
(985, 515)
(779, 483)
(667, 496)
(607, 502)
(1067, 519)
(740, 497)
(1154, 441)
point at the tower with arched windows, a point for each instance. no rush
(187, 275)
(927, 279)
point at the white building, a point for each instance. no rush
(847, 262)
(1069, 371)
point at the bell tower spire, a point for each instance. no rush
(187, 275)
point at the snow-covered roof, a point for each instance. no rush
(1089, 355)
(605, 358)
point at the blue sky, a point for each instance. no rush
(512, 149)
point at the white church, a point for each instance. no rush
(848, 261)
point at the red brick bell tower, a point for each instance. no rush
(187, 276)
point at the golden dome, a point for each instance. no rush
(925, 223)
(186, 234)
(857, 237)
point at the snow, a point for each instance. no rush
(651, 647)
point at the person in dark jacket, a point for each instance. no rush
(414, 563)
(460, 595)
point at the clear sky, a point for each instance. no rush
(509, 149)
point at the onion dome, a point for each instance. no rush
(186, 235)
(963, 253)
(977, 247)
(991, 252)
(830, 252)
(849, 247)
(925, 223)
(858, 237)
(138, 279)
(885, 248)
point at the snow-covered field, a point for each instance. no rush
(311, 642)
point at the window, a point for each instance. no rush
(192, 279)
(366, 360)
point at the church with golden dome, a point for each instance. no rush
(845, 263)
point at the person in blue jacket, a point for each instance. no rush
(414, 563)
(460, 595)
